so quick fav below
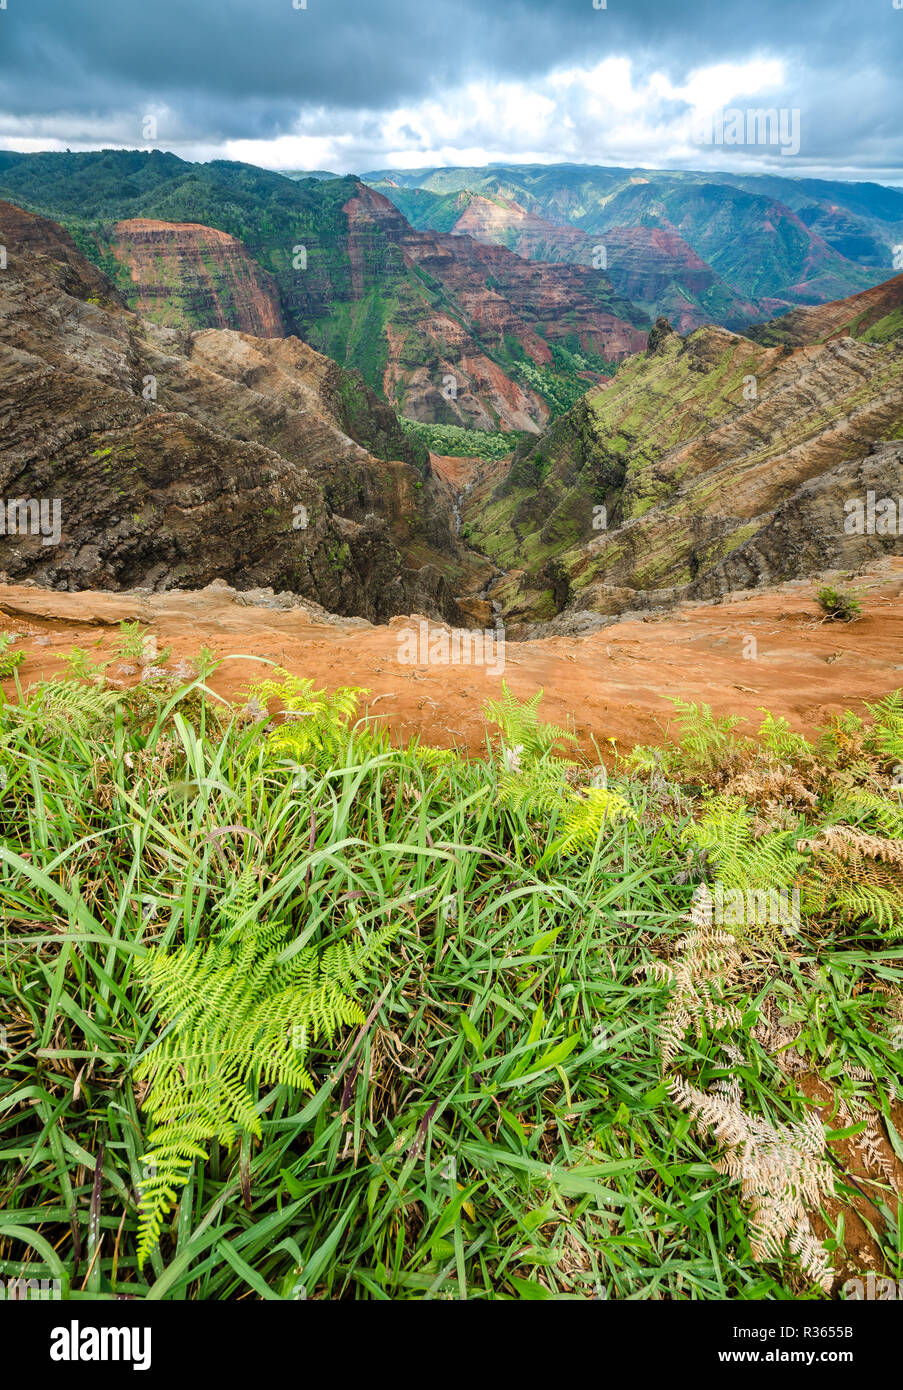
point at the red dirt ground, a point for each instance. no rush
(611, 685)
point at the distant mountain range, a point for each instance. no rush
(768, 242)
(489, 298)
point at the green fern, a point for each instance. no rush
(431, 759)
(648, 760)
(315, 723)
(742, 860)
(886, 734)
(9, 660)
(130, 646)
(872, 809)
(521, 727)
(744, 863)
(60, 707)
(539, 789)
(241, 1010)
(706, 740)
(856, 891)
(841, 738)
(80, 667)
(588, 814)
(777, 737)
(880, 902)
(857, 875)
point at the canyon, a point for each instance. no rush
(183, 457)
(711, 463)
(771, 238)
(447, 329)
(652, 267)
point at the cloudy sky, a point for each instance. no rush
(357, 85)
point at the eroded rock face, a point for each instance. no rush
(652, 267)
(49, 246)
(610, 684)
(709, 464)
(177, 459)
(190, 276)
(875, 315)
(831, 521)
(494, 298)
(336, 264)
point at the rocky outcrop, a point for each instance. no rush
(29, 239)
(190, 276)
(842, 519)
(178, 458)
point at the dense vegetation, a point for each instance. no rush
(291, 1012)
(565, 380)
(270, 214)
(454, 440)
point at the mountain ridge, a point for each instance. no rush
(654, 487)
(767, 237)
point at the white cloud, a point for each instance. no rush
(599, 112)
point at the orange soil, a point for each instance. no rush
(613, 684)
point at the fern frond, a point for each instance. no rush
(778, 738)
(883, 811)
(538, 790)
(744, 861)
(886, 734)
(858, 875)
(314, 721)
(588, 814)
(520, 724)
(706, 740)
(241, 1011)
(9, 660)
(699, 979)
(61, 707)
(781, 1169)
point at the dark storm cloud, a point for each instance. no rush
(230, 69)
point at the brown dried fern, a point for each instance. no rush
(705, 966)
(872, 1142)
(850, 845)
(780, 1168)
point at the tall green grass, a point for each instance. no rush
(498, 1128)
